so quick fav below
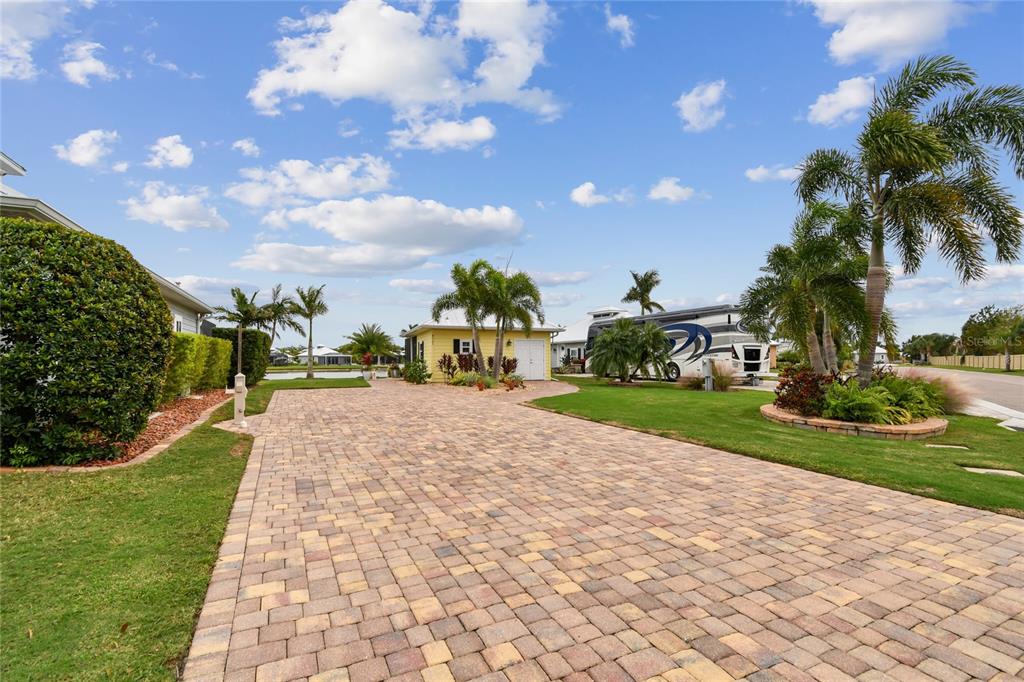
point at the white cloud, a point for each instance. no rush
(120, 167)
(167, 65)
(726, 298)
(247, 146)
(385, 234)
(88, 149)
(422, 286)
(907, 283)
(25, 24)
(170, 151)
(669, 189)
(209, 287)
(293, 180)
(844, 104)
(559, 299)
(403, 220)
(554, 279)
(347, 129)
(701, 108)
(440, 135)
(425, 67)
(586, 195)
(621, 24)
(165, 204)
(337, 261)
(1000, 273)
(81, 63)
(777, 172)
(886, 32)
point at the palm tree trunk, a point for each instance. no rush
(238, 354)
(480, 361)
(1006, 354)
(499, 348)
(814, 352)
(831, 360)
(273, 332)
(874, 298)
(309, 350)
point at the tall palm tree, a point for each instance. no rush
(282, 313)
(245, 315)
(370, 338)
(513, 300)
(469, 296)
(819, 274)
(309, 304)
(927, 176)
(640, 292)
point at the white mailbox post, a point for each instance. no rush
(240, 393)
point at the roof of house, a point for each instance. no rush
(321, 351)
(455, 319)
(14, 202)
(577, 331)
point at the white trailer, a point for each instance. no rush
(715, 332)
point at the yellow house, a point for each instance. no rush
(453, 336)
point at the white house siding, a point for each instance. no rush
(188, 318)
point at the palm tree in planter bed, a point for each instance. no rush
(512, 299)
(309, 304)
(370, 339)
(245, 315)
(923, 177)
(469, 296)
(282, 313)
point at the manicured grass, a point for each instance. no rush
(989, 370)
(316, 368)
(104, 573)
(732, 421)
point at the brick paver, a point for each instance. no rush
(429, 532)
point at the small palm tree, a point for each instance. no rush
(309, 304)
(282, 313)
(640, 292)
(513, 300)
(245, 315)
(469, 296)
(927, 176)
(819, 274)
(653, 347)
(616, 351)
(370, 338)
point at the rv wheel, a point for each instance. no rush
(673, 371)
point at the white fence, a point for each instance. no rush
(985, 361)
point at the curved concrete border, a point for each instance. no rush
(933, 426)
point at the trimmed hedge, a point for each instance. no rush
(255, 353)
(84, 342)
(197, 363)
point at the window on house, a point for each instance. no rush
(420, 354)
(466, 346)
(177, 323)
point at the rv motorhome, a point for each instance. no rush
(715, 332)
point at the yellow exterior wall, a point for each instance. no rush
(437, 342)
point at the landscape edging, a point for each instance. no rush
(933, 426)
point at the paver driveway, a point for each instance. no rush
(405, 532)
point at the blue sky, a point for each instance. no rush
(369, 146)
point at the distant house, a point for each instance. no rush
(278, 357)
(323, 355)
(451, 335)
(187, 311)
(574, 339)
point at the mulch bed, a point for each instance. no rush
(173, 416)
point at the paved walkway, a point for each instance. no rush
(436, 533)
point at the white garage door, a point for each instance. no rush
(530, 354)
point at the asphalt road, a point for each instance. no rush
(1002, 389)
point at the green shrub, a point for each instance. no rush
(218, 363)
(203, 346)
(801, 390)
(919, 398)
(872, 405)
(180, 369)
(255, 353)
(84, 342)
(416, 372)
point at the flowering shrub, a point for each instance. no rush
(512, 381)
(448, 367)
(802, 391)
(508, 366)
(367, 361)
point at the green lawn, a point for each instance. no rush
(103, 574)
(990, 370)
(732, 421)
(316, 368)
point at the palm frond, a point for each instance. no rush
(829, 172)
(919, 81)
